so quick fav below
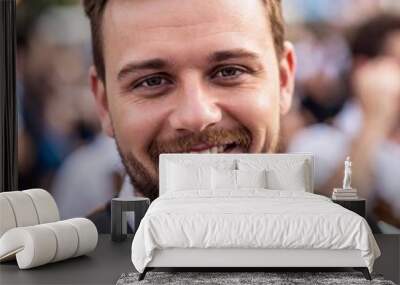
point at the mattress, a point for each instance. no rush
(250, 218)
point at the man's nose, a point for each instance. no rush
(195, 110)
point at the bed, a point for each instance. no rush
(245, 211)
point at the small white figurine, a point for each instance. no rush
(347, 174)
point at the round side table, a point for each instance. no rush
(120, 207)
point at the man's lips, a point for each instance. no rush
(200, 147)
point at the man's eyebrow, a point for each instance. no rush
(232, 54)
(158, 63)
(132, 67)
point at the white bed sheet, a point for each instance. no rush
(250, 218)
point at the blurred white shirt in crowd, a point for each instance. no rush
(127, 190)
(330, 146)
(85, 180)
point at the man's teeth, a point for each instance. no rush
(214, 149)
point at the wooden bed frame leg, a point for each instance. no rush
(143, 274)
(364, 271)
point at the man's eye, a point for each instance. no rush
(152, 82)
(228, 72)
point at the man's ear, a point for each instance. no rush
(99, 91)
(287, 69)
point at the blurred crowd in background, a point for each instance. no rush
(347, 102)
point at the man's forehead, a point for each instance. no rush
(143, 29)
(152, 14)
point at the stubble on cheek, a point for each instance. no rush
(141, 179)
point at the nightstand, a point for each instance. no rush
(357, 206)
(120, 207)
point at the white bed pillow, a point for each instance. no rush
(251, 178)
(223, 179)
(290, 175)
(291, 180)
(181, 178)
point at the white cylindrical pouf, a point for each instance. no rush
(87, 234)
(45, 205)
(23, 208)
(67, 239)
(7, 218)
(34, 246)
(40, 244)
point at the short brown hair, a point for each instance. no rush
(95, 8)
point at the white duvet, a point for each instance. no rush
(252, 218)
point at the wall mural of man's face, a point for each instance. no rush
(190, 76)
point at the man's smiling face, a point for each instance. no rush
(190, 76)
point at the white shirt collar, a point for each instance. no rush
(127, 189)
